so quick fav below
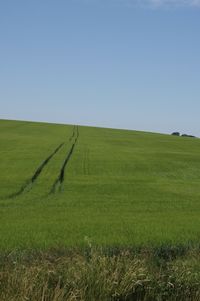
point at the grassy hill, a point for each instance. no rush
(63, 185)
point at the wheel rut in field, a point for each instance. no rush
(86, 162)
(59, 181)
(38, 171)
(73, 133)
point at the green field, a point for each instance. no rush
(65, 185)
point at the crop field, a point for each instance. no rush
(98, 214)
(65, 185)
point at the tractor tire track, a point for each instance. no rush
(30, 182)
(73, 133)
(86, 162)
(58, 183)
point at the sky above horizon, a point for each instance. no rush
(131, 64)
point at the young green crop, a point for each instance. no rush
(118, 188)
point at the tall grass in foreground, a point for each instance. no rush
(96, 275)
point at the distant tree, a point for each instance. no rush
(191, 136)
(176, 134)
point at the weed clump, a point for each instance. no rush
(76, 275)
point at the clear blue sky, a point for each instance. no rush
(114, 63)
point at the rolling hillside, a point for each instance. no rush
(64, 185)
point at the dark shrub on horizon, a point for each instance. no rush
(185, 135)
(176, 134)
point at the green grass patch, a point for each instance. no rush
(94, 274)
